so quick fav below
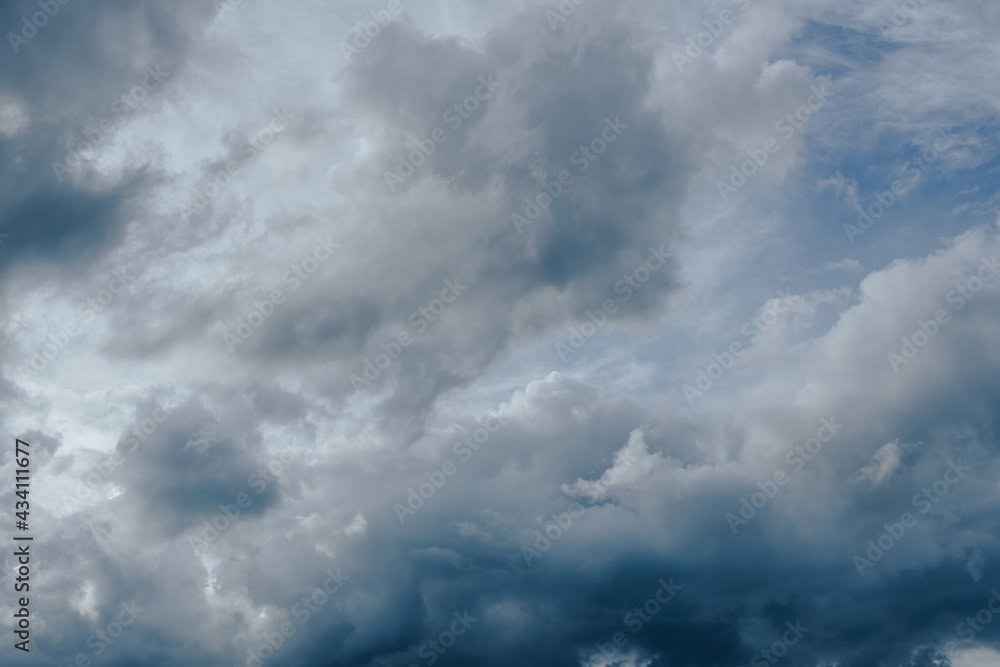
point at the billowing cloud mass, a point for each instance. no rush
(426, 332)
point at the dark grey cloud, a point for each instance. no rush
(241, 425)
(71, 219)
(190, 464)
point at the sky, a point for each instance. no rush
(434, 332)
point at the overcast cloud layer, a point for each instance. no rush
(428, 332)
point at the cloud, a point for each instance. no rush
(474, 473)
(884, 463)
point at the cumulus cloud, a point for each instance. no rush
(359, 334)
